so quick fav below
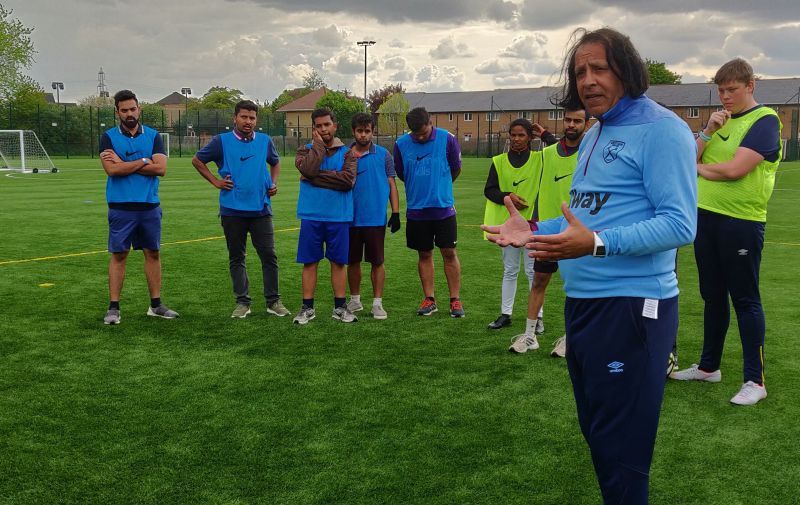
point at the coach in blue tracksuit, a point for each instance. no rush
(246, 186)
(133, 157)
(635, 186)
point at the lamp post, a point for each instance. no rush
(186, 92)
(366, 44)
(58, 86)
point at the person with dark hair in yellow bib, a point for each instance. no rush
(738, 155)
(515, 174)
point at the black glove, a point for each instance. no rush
(394, 222)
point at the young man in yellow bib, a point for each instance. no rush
(738, 154)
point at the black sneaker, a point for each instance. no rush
(501, 322)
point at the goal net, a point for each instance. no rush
(21, 150)
(165, 140)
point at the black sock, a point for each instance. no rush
(338, 302)
(113, 305)
(454, 299)
(308, 302)
(430, 298)
(155, 302)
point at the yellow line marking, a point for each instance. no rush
(105, 251)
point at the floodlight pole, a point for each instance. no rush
(366, 44)
(58, 86)
(186, 92)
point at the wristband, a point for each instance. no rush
(702, 136)
(599, 247)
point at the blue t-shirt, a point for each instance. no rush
(761, 136)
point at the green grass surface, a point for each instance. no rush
(206, 409)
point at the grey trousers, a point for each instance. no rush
(263, 238)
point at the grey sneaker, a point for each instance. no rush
(112, 317)
(354, 306)
(559, 347)
(524, 343)
(162, 311)
(344, 315)
(378, 312)
(241, 311)
(277, 308)
(539, 326)
(305, 315)
(693, 373)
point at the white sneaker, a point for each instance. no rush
(524, 343)
(378, 312)
(344, 315)
(559, 347)
(539, 326)
(354, 306)
(695, 374)
(305, 315)
(750, 394)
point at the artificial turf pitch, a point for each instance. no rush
(207, 409)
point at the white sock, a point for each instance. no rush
(541, 312)
(530, 326)
(355, 298)
(376, 302)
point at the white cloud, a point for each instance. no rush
(347, 62)
(433, 78)
(527, 46)
(449, 48)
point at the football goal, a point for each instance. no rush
(21, 151)
(165, 140)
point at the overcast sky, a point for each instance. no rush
(155, 47)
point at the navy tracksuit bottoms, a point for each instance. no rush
(617, 359)
(728, 255)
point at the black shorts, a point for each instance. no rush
(367, 242)
(422, 235)
(545, 267)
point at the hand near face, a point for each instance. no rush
(538, 129)
(717, 120)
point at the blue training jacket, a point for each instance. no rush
(135, 187)
(635, 184)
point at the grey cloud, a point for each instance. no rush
(434, 78)
(405, 76)
(495, 66)
(330, 36)
(538, 16)
(449, 48)
(500, 10)
(390, 12)
(397, 43)
(776, 10)
(395, 63)
(347, 62)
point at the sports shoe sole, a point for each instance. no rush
(109, 323)
(458, 316)
(305, 321)
(380, 317)
(242, 316)
(425, 314)
(270, 311)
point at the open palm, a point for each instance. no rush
(516, 231)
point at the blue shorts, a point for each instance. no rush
(138, 228)
(334, 236)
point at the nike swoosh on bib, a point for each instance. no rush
(419, 158)
(245, 158)
(724, 138)
(557, 178)
(130, 153)
(516, 183)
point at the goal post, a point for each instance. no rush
(21, 151)
(165, 140)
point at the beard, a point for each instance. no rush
(363, 143)
(130, 122)
(572, 134)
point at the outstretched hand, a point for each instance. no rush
(514, 232)
(576, 240)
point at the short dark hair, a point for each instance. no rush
(362, 119)
(246, 105)
(523, 123)
(417, 118)
(578, 109)
(736, 70)
(123, 95)
(623, 60)
(322, 112)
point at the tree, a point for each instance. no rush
(96, 101)
(344, 107)
(378, 96)
(313, 80)
(660, 74)
(392, 115)
(16, 55)
(220, 97)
